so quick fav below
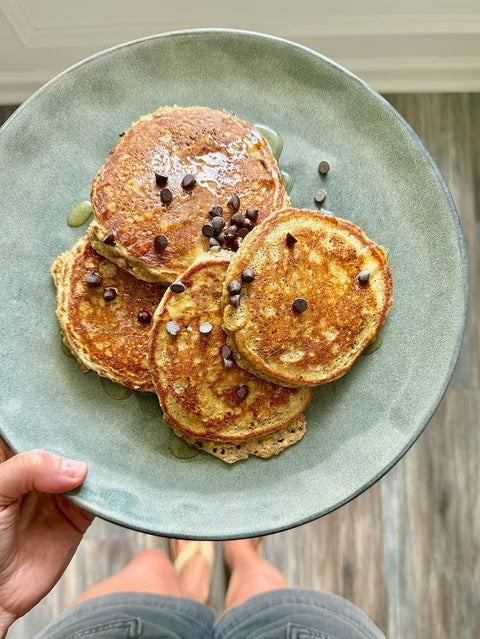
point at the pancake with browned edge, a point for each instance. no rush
(164, 180)
(204, 395)
(319, 295)
(105, 315)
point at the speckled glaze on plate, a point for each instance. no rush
(381, 178)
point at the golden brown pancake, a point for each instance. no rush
(105, 335)
(226, 156)
(265, 446)
(320, 294)
(202, 392)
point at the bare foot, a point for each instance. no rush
(250, 573)
(193, 562)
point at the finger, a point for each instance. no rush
(41, 471)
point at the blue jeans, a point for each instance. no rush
(277, 614)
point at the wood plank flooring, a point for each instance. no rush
(407, 551)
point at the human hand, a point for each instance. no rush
(39, 530)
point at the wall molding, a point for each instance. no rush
(392, 52)
(103, 35)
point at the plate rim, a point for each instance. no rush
(462, 294)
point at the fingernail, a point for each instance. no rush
(73, 468)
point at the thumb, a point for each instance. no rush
(38, 470)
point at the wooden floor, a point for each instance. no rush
(408, 550)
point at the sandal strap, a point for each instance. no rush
(194, 548)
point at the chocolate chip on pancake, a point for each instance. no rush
(172, 327)
(188, 181)
(161, 180)
(290, 239)
(234, 202)
(93, 279)
(144, 317)
(160, 243)
(110, 293)
(300, 305)
(166, 195)
(177, 287)
(109, 239)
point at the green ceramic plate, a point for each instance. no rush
(381, 178)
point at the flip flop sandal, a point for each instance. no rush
(193, 548)
(258, 545)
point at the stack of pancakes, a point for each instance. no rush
(197, 281)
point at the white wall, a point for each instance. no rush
(422, 45)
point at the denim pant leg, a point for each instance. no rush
(296, 614)
(133, 615)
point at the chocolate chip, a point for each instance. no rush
(109, 239)
(248, 224)
(216, 211)
(160, 179)
(166, 196)
(234, 287)
(232, 231)
(221, 237)
(242, 232)
(248, 275)
(290, 239)
(227, 363)
(188, 181)
(300, 305)
(235, 300)
(172, 327)
(160, 243)
(320, 196)
(207, 230)
(323, 167)
(363, 277)
(237, 219)
(226, 352)
(213, 242)
(110, 293)
(236, 242)
(144, 317)
(234, 202)
(177, 287)
(252, 214)
(242, 391)
(93, 279)
(206, 328)
(218, 224)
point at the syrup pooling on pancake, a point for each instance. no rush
(105, 315)
(164, 178)
(200, 388)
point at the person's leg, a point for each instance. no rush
(193, 562)
(152, 571)
(250, 573)
(149, 571)
(259, 605)
(147, 599)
